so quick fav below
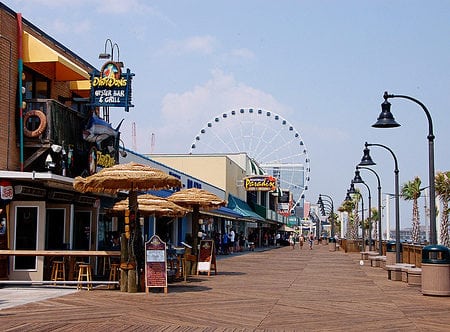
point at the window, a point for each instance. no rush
(81, 230)
(54, 229)
(26, 236)
(36, 86)
(104, 232)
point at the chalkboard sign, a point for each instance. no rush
(155, 264)
(206, 257)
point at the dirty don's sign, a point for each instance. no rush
(111, 87)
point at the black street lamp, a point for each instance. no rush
(367, 161)
(321, 202)
(352, 190)
(386, 120)
(380, 237)
(358, 179)
(106, 56)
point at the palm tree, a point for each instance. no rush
(348, 206)
(337, 222)
(356, 197)
(411, 192)
(374, 221)
(442, 181)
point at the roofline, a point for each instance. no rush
(49, 38)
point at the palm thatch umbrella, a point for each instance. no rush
(196, 199)
(150, 205)
(130, 177)
(127, 177)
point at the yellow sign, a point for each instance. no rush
(260, 183)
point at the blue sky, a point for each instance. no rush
(322, 65)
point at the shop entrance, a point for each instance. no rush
(81, 230)
(26, 236)
(54, 229)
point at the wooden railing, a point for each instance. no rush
(411, 253)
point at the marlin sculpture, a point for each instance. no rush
(97, 130)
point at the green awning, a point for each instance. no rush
(242, 208)
(255, 168)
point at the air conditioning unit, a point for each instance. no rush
(60, 196)
(86, 200)
(29, 191)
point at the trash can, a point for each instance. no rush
(436, 270)
(332, 244)
(391, 253)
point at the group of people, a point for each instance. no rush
(300, 239)
(229, 242)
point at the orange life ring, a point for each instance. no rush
(42, 123)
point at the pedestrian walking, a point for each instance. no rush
(311, 240)
(292, 240)
(301, 241)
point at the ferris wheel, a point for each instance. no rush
(269, 140)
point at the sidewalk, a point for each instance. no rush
(274, 290)
(12, 296)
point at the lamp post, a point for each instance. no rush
(380, 238)
(367, 161)
(358, 179)
(330, 201)
(352, 190)
(386, 120)
(106, 56)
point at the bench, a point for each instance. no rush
(366, 254)
(394, 272)
(376, 261)
(414, 276)
(399, 271)
(405, 268)
(383, 262)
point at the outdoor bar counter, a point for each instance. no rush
(70, 256)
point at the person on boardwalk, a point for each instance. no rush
(311, 240)
(292, 240)
(231, 240)
(225, 244)
(301, 241)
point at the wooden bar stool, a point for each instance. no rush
(114, 274)
(84, 271)
(58, 271)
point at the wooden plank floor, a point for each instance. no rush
(275, 290)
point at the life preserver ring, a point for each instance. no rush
(42, 123)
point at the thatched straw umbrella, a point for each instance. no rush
(196, 199)
(130, 177)
(150, 205)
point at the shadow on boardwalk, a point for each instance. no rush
(273, 290)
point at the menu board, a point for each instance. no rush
(206, 257)
(155, 263)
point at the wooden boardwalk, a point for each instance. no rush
(275, 290)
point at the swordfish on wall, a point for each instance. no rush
(97, 130)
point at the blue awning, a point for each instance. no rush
(241, 207)
(164, 193)
(224, 212)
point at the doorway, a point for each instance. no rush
(54, 229)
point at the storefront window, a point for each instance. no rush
(54, 229)
(104, 232)
(26, 236)
(81, 230)
(263, 198)
(36, 86)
